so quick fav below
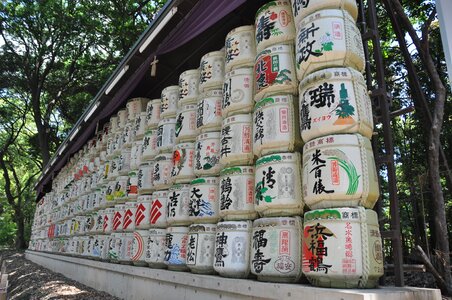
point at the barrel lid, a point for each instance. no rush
(164, 156)
(184, 146)
(241, 29)
(219, 53)
(348, 213)
(161, 193)
(335, 13)
(205, 180)
(244, 170)
(238, 72)
(243, 118)
(187, 107)
(208, 135)
(142, 198)
(178, 229)
(277, 157)
(179, 186)
(169, 89)
(202, 228)
(157, 231)
(211, 93)
(167, 121)
(272, 100)
(275, 49)
(189, 72)
(277, 221)
(234, 225)
(336, 140)
(266, 6)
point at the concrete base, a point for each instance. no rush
(129, 282)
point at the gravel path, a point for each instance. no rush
(28, 280)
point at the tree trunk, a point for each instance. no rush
(20, 234)
(42, 127)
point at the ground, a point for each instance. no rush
(28, 280)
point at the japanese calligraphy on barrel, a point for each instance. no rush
(201, 247)
(240, 48)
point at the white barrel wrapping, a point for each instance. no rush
(238, 92)
(166, 135)
(342, 248)
(274, 24)
(237, 193)
(211, 71)
(204, 196)
(135, 106)
(158, 209)
(118, 217)
(170, 97)
(149, 147)
(276, 249)
(108, 220)
(161, 175)
(145, 182)
(155, 248)
(328, 38)
(178, 205)
(274, 71)
(153, 113)
(278, 185)
(176, 248)
(201, 247)
(132, 185)
(333, 101)
(186, 130)
(339, 170)
(240, 48)
(120, 192)
(128, 223)
(188, 87)
(183, 158)
(139, 127)
(143, 211)
(232, 248)
(208, 115)
(207, 154)
(236, 141)
(139, 247)
(303, 8)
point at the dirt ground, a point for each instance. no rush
(28, 280)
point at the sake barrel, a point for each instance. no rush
(170, 96)
(204, 196)
(274, 24)
(303, 8)
(176, 248)
(128, 223)
(113, 247)
(153, 113)
(132, 185)
(275, 127)
(139, 247)
(339, 170)
(200, 248)
(139, 127)
(99, 222)
(158, 209)
(188, 87)
(183, 156)
(278, 185)
(135, 106)
(240, 48)
(207, 154)
(118, 217)
(276, 249)
(125, 249)
(122, 118)
(113, 170)
(232, 249)
(143, 212)
(211, 71)
(108, 220)
(149, 147)
(166, 134)
(178, 202)
(208, 115)
(155, 248)
(124, 162)
(104, 241)
(96, 250)
(114, 124)
(274, 72)
(333, 101)
(109, 193)
(236, 141)
(117, 142)
(186, 130)
(145, 182)
(342, 248)
(120, 192)
(161, 174)
(238, 92)
(328, 38)
(136, 154)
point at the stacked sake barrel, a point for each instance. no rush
(275, 253)
(341, 241)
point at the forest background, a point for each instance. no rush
(56, 55)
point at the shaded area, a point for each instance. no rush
(28, 280)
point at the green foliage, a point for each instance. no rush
(7, 230)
